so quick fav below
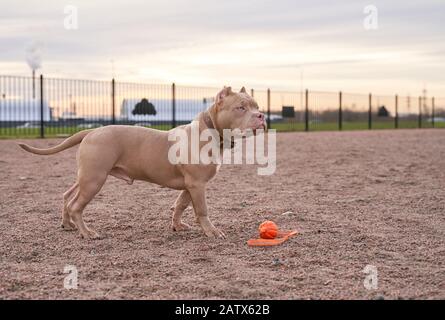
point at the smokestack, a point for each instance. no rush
(33, 84)
(33, 55)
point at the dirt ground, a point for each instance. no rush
(357, 198)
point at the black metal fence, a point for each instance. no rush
(50, 107)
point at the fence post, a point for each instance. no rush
(268, 109)
(113, 101)
(306, 111)
(432, 112)
(340, 112)
(370, 112)
(396, 118)
(42, 119)
(173, 105)
(252, 92)
(420, 113)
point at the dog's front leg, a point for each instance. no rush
(197, 193)
(178, 208)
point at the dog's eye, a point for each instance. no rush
(242, 108)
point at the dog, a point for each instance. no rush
(136, 153)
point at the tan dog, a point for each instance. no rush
(136, 153)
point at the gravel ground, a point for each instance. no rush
(356, 198)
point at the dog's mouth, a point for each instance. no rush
(262, 126)
(254, 129)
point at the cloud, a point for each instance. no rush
(320, 63)
(249, 41)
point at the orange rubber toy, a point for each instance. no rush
(270, 235)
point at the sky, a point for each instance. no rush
(281, 44)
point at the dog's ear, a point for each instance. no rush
(243, 90)
(225, 92)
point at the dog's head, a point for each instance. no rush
(237, 111)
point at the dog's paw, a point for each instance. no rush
(214, 233)
(68, 226)
(90, 234)
(180, 226)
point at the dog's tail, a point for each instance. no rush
(68, 143)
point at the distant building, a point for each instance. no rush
(70, 115)
(153, 110)
(23, 110)
(288, 111)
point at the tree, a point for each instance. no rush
(382, 112)
(144, 108)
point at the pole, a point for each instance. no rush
(432, 112)
(306, 112)
(370, 112)
(340, 111)
(42, 119)
(396, 118)
(268, 109)
(173, 105)
(420, 113)
(113, 101)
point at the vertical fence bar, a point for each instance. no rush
(420, 113)
(252, 92)
(396, 118)
(268, 109)
(340, 111)
(370, 112)
(113, 101)
(173, 105)
(432, 112)
(3, 97)
(42, 120)
(306, 111)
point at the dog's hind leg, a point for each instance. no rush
(89, 186)
(67, 223)
(181, 203)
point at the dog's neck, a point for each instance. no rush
(209, 121)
